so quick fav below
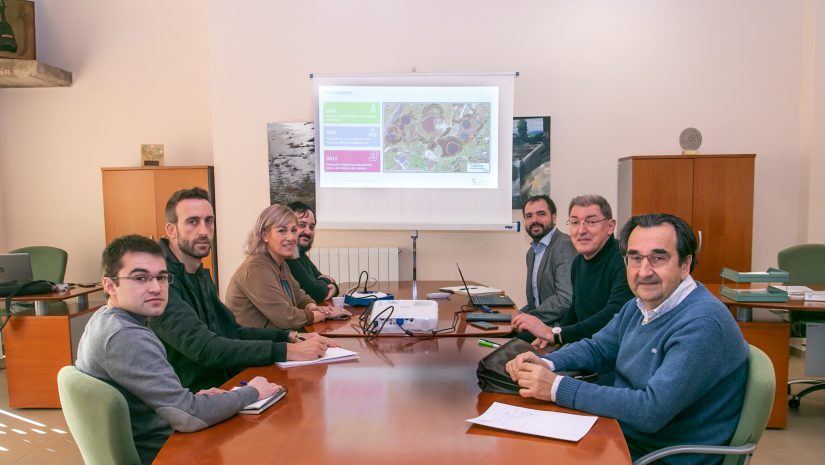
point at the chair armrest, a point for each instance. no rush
(673, 450)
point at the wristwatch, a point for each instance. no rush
(557, 335)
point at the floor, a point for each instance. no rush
(40, 436)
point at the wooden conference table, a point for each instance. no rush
(772, 337)
(403, 290)
(405, 402)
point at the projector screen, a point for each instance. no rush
(414, 151)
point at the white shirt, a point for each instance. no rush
(685, 287)
(538, 252)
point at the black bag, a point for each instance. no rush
(493, 377)
(9, 289)
(19, 287)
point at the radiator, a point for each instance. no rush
(346, 263)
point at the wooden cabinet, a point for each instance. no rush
(773, 339)
(714, 193)
(134, 200)
(37, 347)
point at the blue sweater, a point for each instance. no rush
(680, 379)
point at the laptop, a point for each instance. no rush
(487, 300)
(15, 267)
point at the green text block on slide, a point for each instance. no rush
(352, 113)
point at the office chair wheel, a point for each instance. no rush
(793, 402)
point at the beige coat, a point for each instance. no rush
(258, 299)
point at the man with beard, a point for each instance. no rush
(597, 273)
(319, 286)
(204, 343)
(549, 290)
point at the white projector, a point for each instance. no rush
(410, 315)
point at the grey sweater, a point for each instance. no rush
(119, 349)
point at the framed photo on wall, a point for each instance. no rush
(291, 162)
(531, 157)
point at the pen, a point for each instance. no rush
(486, 343)
(300, 338)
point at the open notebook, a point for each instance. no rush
(334, 354)
(260, 405)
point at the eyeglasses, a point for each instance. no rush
(145, 279)
(655, 259)
(589, 222)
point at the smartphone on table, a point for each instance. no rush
(484, 325)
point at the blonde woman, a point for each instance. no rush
(263, 293)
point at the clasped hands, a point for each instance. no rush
(532, 375)
(328, 311)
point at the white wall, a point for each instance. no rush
(618, 78)
(141, 75)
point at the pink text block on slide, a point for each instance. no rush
(354, 161)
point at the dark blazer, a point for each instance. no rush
(554, 285)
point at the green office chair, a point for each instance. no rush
(48, 263)
(98, 417)
(805, 264)
(756, 408)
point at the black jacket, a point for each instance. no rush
(203, 342)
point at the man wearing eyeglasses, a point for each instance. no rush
(678, 356)
(597, 275)
(118, 348)
(204, 343)
(549, 291)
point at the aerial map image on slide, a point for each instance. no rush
(436, 137)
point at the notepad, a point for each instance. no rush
(260, 405)
(794, 292)
(334, 354)
(565, 426)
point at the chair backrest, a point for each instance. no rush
(805, 263)
(48, 263)
(98, 417)
(756, 408)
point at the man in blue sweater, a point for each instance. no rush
(678, 356)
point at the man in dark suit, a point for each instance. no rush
(549, 290)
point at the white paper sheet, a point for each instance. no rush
(333, 354)
(556, 425)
